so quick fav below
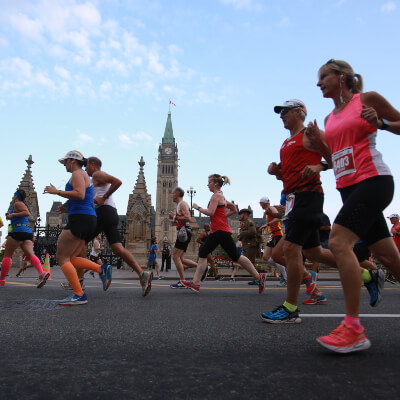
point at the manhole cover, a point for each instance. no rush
(29, 305)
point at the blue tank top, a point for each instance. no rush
(19, 224)
(84, 206)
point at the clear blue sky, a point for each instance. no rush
(97, 76)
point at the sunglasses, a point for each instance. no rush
(284, 111)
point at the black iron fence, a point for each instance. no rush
(46, 238)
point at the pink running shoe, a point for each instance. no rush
(261, 283)
(191, 285)
(345, 339)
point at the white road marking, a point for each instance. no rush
(343, 315)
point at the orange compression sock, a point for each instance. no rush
(84, 263)
(70, 273)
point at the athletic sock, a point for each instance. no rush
(72, 277)
(290, 307)
(353, 322)
(366, 276)
(6, 266)
(36, 262)
(84, 263)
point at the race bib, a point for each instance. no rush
(343, 162)
(289, 203)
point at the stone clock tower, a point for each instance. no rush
(167, 180)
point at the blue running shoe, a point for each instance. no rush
(178, 285)
(74, 300)
(106, 275)
(281, 315)
(375, 287)
(204, 276)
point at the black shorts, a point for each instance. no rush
(305, 219)
(183, 245)
(361, 251)
(274, 241)
(107, 222)
(94, 258)
(363, 205)
(82, 226)
(225, 240)
(21, 236)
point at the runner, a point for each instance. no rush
(21, 235)
(81, 227)
(96, 250)
(181, 219)
(221, 233)
(107, 218)
(299, 170)
(365, 184)
(152, 259)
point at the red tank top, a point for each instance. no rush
(294, 157)
(352, 143)
(218, 220)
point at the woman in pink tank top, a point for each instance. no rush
(221, 234)
(366, 186)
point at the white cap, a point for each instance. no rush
(264, 199)
(75, 154)
(293, 103)
(394, 216)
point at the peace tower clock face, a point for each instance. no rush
(168, 150)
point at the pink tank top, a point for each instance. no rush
(218, 220)
(352, 143)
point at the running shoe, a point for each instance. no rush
(310, 281)
(204, 276)
(18, 276)
(74, 300)
(345, 339)
(232, 279)
(281, 315)
(261, 283)
(254, 282)
(316, 299)
(219, 278)
(92, 274)
(191, 285)
(389, 278)
(161, 277)
(375, 287)
(106, 275)
(145, 280)
(43, 279)
(178, 285)
(282, 283)
(3, 283)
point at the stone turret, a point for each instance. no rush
(139, 218)
(31, 200)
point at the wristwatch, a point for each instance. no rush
(325, 165)
(385, 124)
(106, 196)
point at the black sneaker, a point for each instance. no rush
(253, 282)
(281, 315)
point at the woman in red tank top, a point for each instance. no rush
(366, 187)
(221, 233)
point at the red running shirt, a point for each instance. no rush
(294, 157)
(218, 220)
(352, 143)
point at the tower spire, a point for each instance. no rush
(168, 133)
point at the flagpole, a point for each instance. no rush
(169, 106)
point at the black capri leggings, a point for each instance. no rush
(225, 240)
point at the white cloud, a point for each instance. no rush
(113, 64)
(82, 139)
(62, 72)
(31, 28)
(142, 136)
(43, 80)
(242, 4)
(388, 7)
(3, 41)
(18, 67)
(125, 139)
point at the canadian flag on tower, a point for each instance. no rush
(170, 102)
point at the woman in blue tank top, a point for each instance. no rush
(20, 236)
(80, 228)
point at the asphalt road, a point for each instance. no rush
(177, 344)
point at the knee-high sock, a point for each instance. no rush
(70, 273)
(36, 262)
(6, 266)
(281, 268)
(84, 263)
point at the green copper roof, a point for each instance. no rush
(168, 133)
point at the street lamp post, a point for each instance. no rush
(191, 192)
